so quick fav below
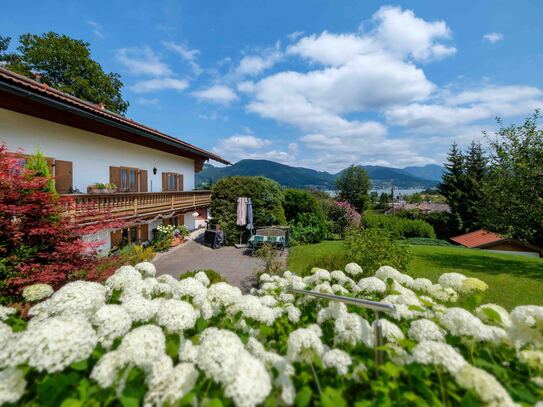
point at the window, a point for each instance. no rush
(124, 179)
(172, 181)
(133, 179)
(128, 179)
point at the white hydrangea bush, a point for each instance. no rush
(157, 341)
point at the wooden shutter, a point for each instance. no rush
(63, 176)
(164, 181)
(143, 180)
(116, 238)
(115, 176)
(144, 232)
(50, 165)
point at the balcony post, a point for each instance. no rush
(172, 200)
(135, 205)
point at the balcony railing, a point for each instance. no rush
(84, 207)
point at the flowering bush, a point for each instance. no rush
(142, 340)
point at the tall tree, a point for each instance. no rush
(453, 182)
(353, 186)
(513, 190)
(65, 64)
(475, 173)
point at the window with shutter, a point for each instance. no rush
(63, 176)
(143, 181)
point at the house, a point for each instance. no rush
(424, 207)
(85, 144)
(485, 240)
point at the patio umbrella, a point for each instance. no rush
(250, 216)
(242, 212)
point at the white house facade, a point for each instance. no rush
(87, 146)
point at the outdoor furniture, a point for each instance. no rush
(277, 236)
(215, 238)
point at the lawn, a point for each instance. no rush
(512, 280)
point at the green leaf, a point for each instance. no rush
(333, 398)
(303, 397)
(201, 324)
(215, 403)
(492, 314)
(172, 345)
(71, 403)
(81, 365)
(129, 401)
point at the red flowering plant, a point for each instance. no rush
(343, 216)
(39, 243)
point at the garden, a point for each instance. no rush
(138, 339)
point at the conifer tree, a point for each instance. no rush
(453, 182)
(475, 172)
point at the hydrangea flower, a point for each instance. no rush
(223, 294)
(332, 311)
(386, 272)
(460, 322)
(78, 298)
(443, 294)
(391, 331)
(486, 313)
(175, 315)
(251, 307)
(143, 345)
(421, 284)
(353, 329)
(527, 326)
(532, 358)
(111, 321)
(302, 344)
(12, 385)
(338, 359)
(451, 280)
(5, 312)
(202, 278)
(106, 370)
(484, 385)
(353, 269)
(140, 309)
(370, 285)
(37, 292)
(147, 269)
(425, 330)
(438, 354)
(179, 381)
(53, 344)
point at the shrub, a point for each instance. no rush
(268, 254)
(372, 248)
(217, 347)
(342, 216)
(137, 254)
(37, 164)
(307, 228)
(399, 228)
(445, 224)
(265, 194)
(423, 241)
(162, 243)
(38, 243)
(298, 201)
(213, 276)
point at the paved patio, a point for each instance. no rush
(233, 264)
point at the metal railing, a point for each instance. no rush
(375, 306)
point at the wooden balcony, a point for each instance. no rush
(84, 207)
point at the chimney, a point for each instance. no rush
(37, 76)
(101, 106)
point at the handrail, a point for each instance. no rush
(375, 306)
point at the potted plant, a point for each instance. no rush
(100, 188)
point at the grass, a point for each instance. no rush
(512, 280)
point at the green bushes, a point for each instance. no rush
(372, 248)
(399, 228)
(307, 228)
(445, 224)
(265, 194)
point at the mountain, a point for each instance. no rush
(430, 171)
(299, 177)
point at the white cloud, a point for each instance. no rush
(142, 61)
(96, 28)
(295, 35)
(252, 65)
(493, 37)
(217, 93)
(404, 33)
(157, 84)
(188, 54)
(247, 146)
(148, 102)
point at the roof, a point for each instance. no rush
(22, 86)
(478, 238)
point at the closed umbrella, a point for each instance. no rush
(242, 212)
(250, 216)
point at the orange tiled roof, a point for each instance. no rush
(477, 238)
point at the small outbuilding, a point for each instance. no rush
(493, 242)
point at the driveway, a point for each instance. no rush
(233, 264)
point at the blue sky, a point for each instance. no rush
(321, 84)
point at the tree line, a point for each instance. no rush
(501, 188)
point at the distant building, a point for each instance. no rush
(424, 207)
(485, 240)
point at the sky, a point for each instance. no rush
(311, 83)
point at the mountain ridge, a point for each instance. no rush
(300, 177)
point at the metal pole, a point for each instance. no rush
(375, 306)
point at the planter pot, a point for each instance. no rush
(91, 190)
(175, 242)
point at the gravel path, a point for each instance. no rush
(233, 264)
